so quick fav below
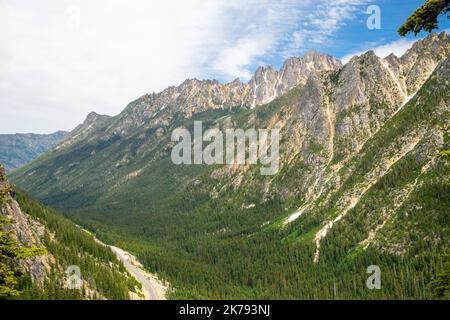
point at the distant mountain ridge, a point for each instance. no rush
(19, 149)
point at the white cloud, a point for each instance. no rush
(60, 59)
(398, 47)
(234, 61)
(319, 25)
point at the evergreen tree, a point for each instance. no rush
(441, 286)
(425, 17)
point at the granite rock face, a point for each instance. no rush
(26, 232)
(364, 93)
(268, 83)
(156, 110)
(338, 111)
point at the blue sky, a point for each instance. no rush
(351, 35)
(354, 37)
(61, 59)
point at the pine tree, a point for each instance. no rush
(441, 286)
(425, 17)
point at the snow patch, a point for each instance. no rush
(296, 214)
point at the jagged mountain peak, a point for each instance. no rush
(368, 56)
(430, 41)
(236, 81)
(152, 111)
(90, 125)
(321, 60)
(193, 95)
(93, 116)
(269, 83)
(92, 120)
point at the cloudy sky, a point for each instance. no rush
(61, 59)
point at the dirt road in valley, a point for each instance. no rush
(152, 288)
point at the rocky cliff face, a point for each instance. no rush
(194, 96)
(65, 245)
(27, 233)
(363, 81)
(416, 65)
(268, 83)
(338, 112)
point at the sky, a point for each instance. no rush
(61, 59)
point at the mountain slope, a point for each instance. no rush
(45, 276)
(358, 185)
(19, 149)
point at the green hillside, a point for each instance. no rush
(59, 243)
(104, 275)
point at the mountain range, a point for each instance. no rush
(22, 148)
(359, 181)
